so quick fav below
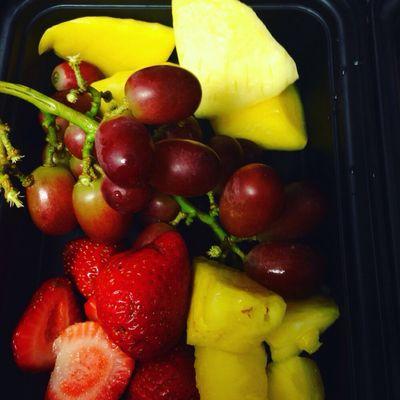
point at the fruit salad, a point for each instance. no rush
(192, 274)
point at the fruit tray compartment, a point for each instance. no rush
(328, 42)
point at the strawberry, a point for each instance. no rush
(169, 377)
(88, 365)
(143, 296)
(91, 309)
(83, 259)
(53, 308)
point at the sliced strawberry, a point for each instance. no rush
(88, 365)
(83, 259)
(52, 309)
(91, 309)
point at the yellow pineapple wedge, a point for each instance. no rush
(226, 376)
(229, 311)
(112, 44)
(297, 378)
(304, 321)
(232, 53)
(276, 124)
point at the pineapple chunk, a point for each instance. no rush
(112, 44)
(229, 311)
(304, 321)
(297, 378)
(226, 376)
(236, 59)
(276, 124)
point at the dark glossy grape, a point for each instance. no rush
(230, 153)
(74, 139)
(97, 219)
(252, 152)
(76, 167)
(49, 200)
(125, 200)
(83, 103)
(252, 198)
(305, 209)
(189, 128)
(162, 94)
(125, 150)
(185, 167)
(161, 208)
(291, 270)
(151, 233)
(63, 77)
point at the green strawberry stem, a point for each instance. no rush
(193, 212)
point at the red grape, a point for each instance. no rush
(49, 200)
(97, 219)
(61, 125)
(83, 103)
(125, 150)
(189, 128)
(230, 153)
(252, 152)
(63, 77)
(252, 198)
(162, 94)
(125, 200)
(74, 139)
(151, 233)
(185, 167)
(161, 208)
(76, 167)
(305, 208)
(291, 270)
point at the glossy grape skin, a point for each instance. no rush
(291, 270)
(151, 233)
(185, 168)
(60, 158)
(160, 208)
(252, 198)
(252, 152)
(76, 166)
(125, 200)
(49, 200)
(230, 153)
(188, 128)
(63, 77)
(97, 219)
(74, 139)
(124, 150)
(83, 103)
(162, 94)
(305, 209)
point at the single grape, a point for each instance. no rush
(76, 166)
(305, 209)
(49, 200)
(125, 150)
(125, 200)
(188, 128)
(160, 208)
(252, 152)
(151, 233)
(162, 94)
(83, 103)
(230, 153)
(252, 198)
(74, 139)
(185, 168)
(63, 77)
(291, 270)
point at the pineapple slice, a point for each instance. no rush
(297, 378)
(304, 321)
(112, 44)
(229, 311)
(236, 59)
(226, 376)
(276, 124)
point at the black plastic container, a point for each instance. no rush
(331, 43)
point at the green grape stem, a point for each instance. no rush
(12, 154)
(193, 212)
